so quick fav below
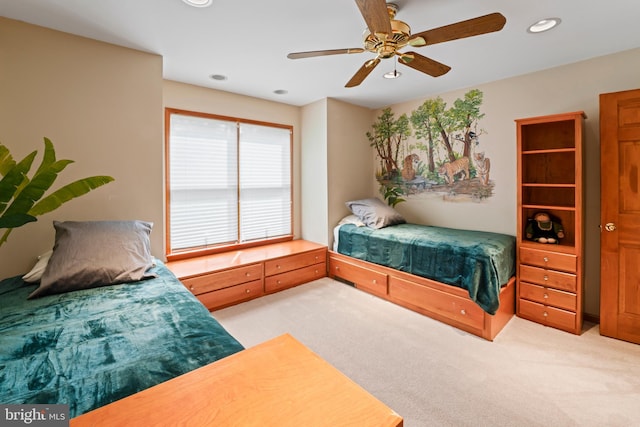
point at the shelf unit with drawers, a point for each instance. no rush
(549, 276)
(229, 278)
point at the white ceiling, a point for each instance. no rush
(248, 41)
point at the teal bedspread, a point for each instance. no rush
(481, 262)
(89, 348)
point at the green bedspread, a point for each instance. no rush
(89, 348)
(481, 262)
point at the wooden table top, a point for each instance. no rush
(277, 383)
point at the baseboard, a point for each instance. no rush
(593, 318)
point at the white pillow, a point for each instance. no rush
(352, 219)
(36, 272)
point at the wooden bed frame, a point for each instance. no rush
(448, 304)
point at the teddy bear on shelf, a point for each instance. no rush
(542, 229)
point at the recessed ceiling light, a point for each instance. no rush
(281, 91)
(198, 3)
(544, 25)
(218, 77)
(392, 74)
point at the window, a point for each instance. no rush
(228, 182)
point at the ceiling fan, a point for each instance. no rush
(387, 35)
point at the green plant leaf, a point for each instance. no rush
(21, 197)
(15, 220)
(49, 156)
(35, 189)
(6, 160)
(14, 180)
(68, 192)
(392, 195)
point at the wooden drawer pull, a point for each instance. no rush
(546, 259)
(248, 274)
(248, 291)
(545, 296)
(546, 277)
(375, 282)
(545, 314)
(463, 312)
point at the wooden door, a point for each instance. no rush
(620, 215)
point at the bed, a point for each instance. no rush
(88, 344)
(464, 278)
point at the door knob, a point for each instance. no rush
(610, 226)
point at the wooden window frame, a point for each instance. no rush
(202, 251)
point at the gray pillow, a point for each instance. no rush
(89, 254)
(375, 213)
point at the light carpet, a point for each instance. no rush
(435, 375)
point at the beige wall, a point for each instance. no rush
(335, 163)
(350, 166)
(314, 176)
(574, 87)
(101, 105)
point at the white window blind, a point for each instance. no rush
(229, 182)
(265, 182)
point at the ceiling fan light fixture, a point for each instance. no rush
(218, 77)
(281, 91)
(392, 74)
(544, 25)
(198, 3)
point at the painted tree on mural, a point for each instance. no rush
(465, 113)
(427, 128)
(434, 123)
(387, 137)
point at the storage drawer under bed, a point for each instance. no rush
(362, 277)
(453, 307)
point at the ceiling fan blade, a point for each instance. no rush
(459, 30)
(376, 16)
(424, 64)
(298, 55)
(363, 72)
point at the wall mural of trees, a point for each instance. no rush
(435, 150)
